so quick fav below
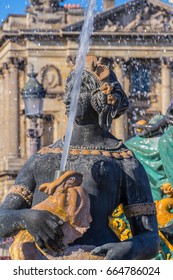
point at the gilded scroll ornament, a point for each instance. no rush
(70, 202)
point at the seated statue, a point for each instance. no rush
(45, 5)
(68, 217)
(153, 147)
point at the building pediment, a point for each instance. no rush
(148, 16)
(148, 19)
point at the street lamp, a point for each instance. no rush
(33, 94)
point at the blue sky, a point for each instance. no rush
(18, 6)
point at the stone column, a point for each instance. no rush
(119, 125)
(166, 85)
(55, 127)
(158, 93)
(6, 125)
(156, 90)
(127, 92)
(126, 84)
(22, 119)
(13, 109)
(23, 136)
(1, 112)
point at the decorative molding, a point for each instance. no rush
(144, 21)
(166, 61)
(136, 16)
(45, 5)
(50, 77)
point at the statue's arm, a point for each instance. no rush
(140, 211)
(18, 201)
(16, 213)
(149, 130)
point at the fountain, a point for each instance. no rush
(66, 216)
(80, 65)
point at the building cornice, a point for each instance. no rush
(117, 39)
(32, 34)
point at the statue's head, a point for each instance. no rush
(101, 96)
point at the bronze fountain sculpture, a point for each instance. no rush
(101, 174)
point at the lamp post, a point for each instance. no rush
(33, 94)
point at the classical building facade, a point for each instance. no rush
(135, 38)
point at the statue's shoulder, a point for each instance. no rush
(53, 148)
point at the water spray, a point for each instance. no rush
(85, 35)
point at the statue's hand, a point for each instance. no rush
(48, 188)
(114, 251)
(142, 130)
(45, 228)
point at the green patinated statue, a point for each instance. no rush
(153, 147)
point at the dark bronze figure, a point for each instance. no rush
(111, 176)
